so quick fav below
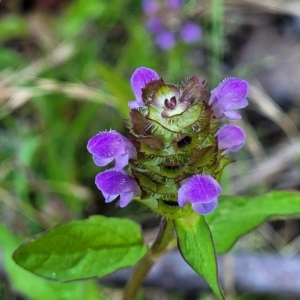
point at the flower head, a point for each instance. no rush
(172, 140)
(113, 183)
(109, 145)
(202, 191)
(139, 80)
(229, 95)
(165, 22)
(230, 138)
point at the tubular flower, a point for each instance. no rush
(109, 145)
(113, 183)
(230, 138)
(229, 95)
(202, 192)
(174, 151)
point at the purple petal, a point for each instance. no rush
(109, 198)
(199, 189)
(100, 161)
(191, 32)
(154, 25)
(150, 7)
(232, 115)
(230, 94)
(230, 138)
(174, 4)
(114, 182)
(109, 145)
(205, 208)
(134, 104)
(139, 79)
(165, 40)
(125, 198)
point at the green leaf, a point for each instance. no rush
(235, 216)
(197, 248)
(36, 287)
(82, 249)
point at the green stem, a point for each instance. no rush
(159, 247)
(217, 40)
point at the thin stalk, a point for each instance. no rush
(159, 247)
(217, 40)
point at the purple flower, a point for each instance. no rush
(190, 32)
(165, 40)
(230, 138)
(139, 79)
(109, 145)
(202, 191)
(174, 4)
(113, 183)
(155, 25)
(229, 95)
(150, 7)
(165, 22)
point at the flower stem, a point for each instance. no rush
(159, 247)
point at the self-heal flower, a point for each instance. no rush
(174, 149)
(230, 138)
(229, 95)
(201, 191)
(167, 23)
(109, 145)
(138, 81)
(113, 183)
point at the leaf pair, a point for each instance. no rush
(98, 246)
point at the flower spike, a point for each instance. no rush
(229, 95)
(113, 183)
(109, 145)
(175, 147)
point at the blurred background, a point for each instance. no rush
(65, 67)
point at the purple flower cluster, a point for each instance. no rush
(164, 22)
(201, 190)
(108, 146)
